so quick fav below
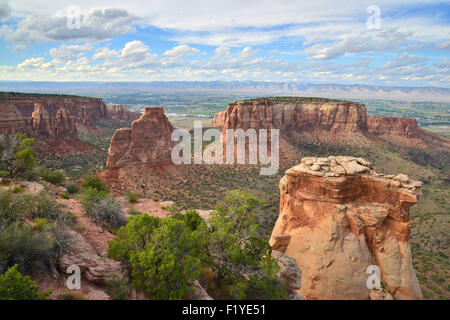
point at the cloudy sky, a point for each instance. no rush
(404, 43)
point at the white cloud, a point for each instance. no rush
(97, 24)
(65, 52)
(402, 60)
(181, 51)
(104, 54)
(364, 42)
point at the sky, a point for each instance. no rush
(393, 43)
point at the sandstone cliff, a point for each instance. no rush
(337, 217)
(325, 120)
(121, 113)
(146, 142)
(306, 115)
(404, 131)
(85, 110)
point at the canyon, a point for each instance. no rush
(53, 119)
(337, 217)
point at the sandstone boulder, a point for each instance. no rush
(94, 267)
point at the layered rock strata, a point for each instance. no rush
(338, 216)
(146, 142)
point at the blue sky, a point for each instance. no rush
(406, 44)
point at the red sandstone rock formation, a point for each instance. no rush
(121, 113)
(331, 116)
(404, 131)
(146, 142)
(337, 217)
(327, 120)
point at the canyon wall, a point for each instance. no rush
(326, 120)
(146, 142)
(53, 119)
(121, 113)
(337, 217)
(405, 132)
(333, 116)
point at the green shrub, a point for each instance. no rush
(40, 223)
(156, 199)
(118, 288)
(21, 245)
(17, 154)
(72, 188)
(132, 197)
(134, 212)
(44, 206)
(14, 286)
(64, 195)
(11, 207)
(163, 254)
(54, 177)
(93, 181)
(17, 189)
(67, 295)
(103, 209)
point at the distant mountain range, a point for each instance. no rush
(236, 87)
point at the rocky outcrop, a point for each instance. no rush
(84, 110)
(290, 273)
(404, 131)
(121, 113)
(146, 142)
(94, 267)
(324, 120)
(337, 217)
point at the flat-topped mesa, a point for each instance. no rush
(337, 217)
(293, 115)
(335, 121)
(146, 142)
(121, 113)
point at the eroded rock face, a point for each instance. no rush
(121, 113)
(146, 142)
(331, 116)
(94, 267)
(337, 217)
(289, 273)
(329, 121)
(404, 131)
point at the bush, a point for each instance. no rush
(11, 207)
(132, 197)
(14, 286)
(21, 245)
(16, 155)
(156, 199)
(93, 181)
(40, 224)
(242, 260)
(64, 195)
(67, 295)
(164, 254)
(17, 189)
(46, 207)
(118, 288)
(54, 177)
(103, 209)
(72, 188)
